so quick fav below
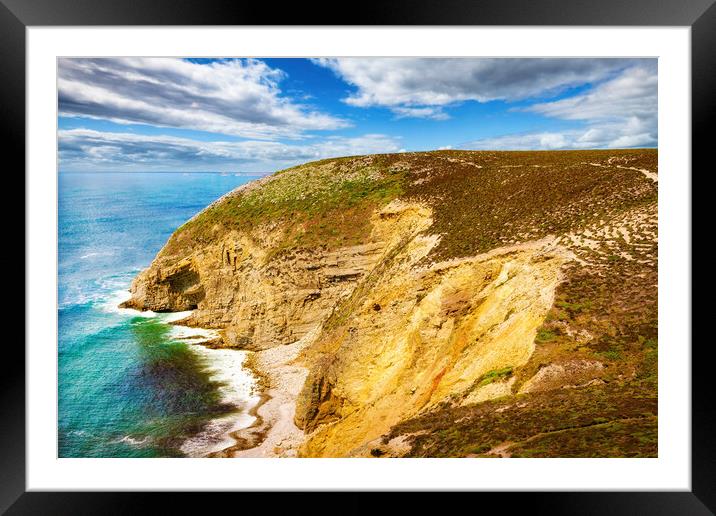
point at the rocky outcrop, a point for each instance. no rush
(399, 335)
(174, 288)
(260, 303)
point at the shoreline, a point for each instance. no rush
(241, 442)
(275, 434)
(240, 383)
(239, 389)
(277, 381)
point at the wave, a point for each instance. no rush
(175, 316)
(103, 292)
(95, 254)
(216, 435)
(238, 387)
(132, 441)
(192, 335)
(114, 299)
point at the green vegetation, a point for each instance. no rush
(326, 204)
(544, 335)
(620, 438)
(494, 376)
(611, 354)
(606, 309)
(573, 307)
(480, 199)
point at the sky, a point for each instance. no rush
(257, 116)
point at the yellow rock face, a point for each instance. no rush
(421, 334)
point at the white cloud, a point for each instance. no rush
(418, 83)
(619, 113)
(85, 149)
(613, 137)
(632, 140)
(618, 107)
(521, 141)
(236, 97)
(420, 112)
(631, 94)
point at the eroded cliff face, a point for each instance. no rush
(400, 326)
(419, 336)
(261, 301)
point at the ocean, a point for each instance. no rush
(129, 383)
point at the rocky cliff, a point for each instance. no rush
(429, 295)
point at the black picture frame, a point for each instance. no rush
(17, 15)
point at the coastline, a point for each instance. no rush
(274, 433)
(277, 381)
(227, 366)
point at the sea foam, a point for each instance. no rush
(116, 298)
(237, 387)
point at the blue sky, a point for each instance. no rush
(261, 115)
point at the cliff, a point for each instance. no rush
(447, 303)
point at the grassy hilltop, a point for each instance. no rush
(481, 199)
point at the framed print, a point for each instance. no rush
(439, 250)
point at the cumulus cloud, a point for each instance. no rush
(618, 107)
(85, 149)
(398, 83)
(612, 136)
(235, 97)
(615, 105)
(620, 112)
(524, 141)
(633, 93)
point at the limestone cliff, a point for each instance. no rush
(421, 284)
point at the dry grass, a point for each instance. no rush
(614, 420)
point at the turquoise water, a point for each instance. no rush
(126, 387)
